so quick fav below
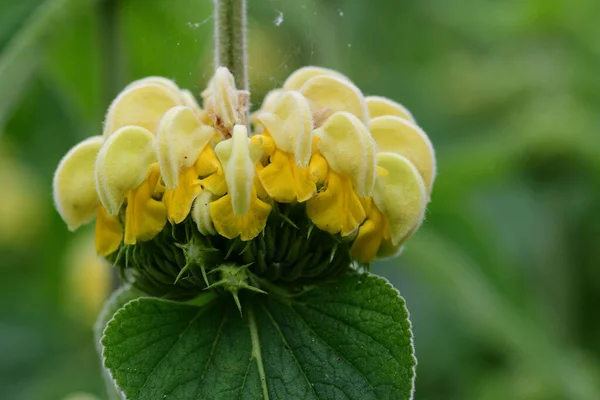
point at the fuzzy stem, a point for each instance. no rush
(111, 49)
(230, 39)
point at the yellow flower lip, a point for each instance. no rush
(180, 139)
(398, 135)
(142, 104)
(349, 149)
(380, 106)
(74, 191)
(290, 126)
(122, 165)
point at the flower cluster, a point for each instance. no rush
(358, 168)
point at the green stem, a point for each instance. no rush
(230, 39)
(111, 49)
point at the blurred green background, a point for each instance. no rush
(502, 281)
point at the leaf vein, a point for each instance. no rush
(284, 340)
(331, 347)
(210, 356)
(200, 312)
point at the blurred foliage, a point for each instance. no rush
(503, 280)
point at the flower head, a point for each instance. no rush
(328, 178)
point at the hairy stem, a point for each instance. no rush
(230, 39)
(111, 49)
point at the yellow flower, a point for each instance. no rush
(127, 171)
(349, 150)
(407, 168)
(77, 195)
(184, 155)
(240, 212)
(288, 143)
(399, 200)
(394, 130)
(361, 167)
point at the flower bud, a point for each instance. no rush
(222, 100)
(201, 213)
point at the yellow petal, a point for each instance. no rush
(328, 94)
(349, 149)
(231, 225)
(74, 190)
(284, 181)
(145, 216)
(141, 104)
(108, 232)
(400, 195)
(258, 186)
(180, 139)
(367, 242)
(299, 77)
(122, 165)
(400, 136)
(221, 99)
(238, 161)
(215, 183)
(380, 106)
(207, 162)
(266, 143)
(201, 213)
(318, 167)
(337, 208)
(290, 126)
(179, 201)
(370, 234)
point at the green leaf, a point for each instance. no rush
(349, 340)
(118, 299)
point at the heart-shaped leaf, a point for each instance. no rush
(347, 340)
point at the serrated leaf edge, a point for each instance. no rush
(99, 335)
(412, 336)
